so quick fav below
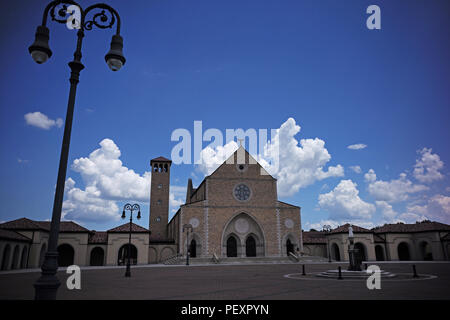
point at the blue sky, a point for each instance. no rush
(235, 64)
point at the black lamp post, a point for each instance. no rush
(47, 285)
(327, 229)
(188, 228)
(130, 208)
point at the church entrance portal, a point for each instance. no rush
(231, 247)
(250, 247)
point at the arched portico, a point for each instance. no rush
(243, 237)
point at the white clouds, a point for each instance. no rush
(211, 158)
(356, 169)
(40, 120)
(106, 182)
(436, 208)
(357, 146)
(394, 190)
(344, 202)
(294, 166)
(386, 209)
(427, 167)
(104, 172)
(370, 176)
(298, 166)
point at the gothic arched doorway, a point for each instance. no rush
(289, 247)
(231, 247)
(122, 258)
(65, 255)
(250, 247)
(193, 249)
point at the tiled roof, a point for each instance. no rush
(27, 224)
(314, 237)
(126, 228)
(64, 226)
(21, 224)
(98, 237)
(161, 159)
(344, 229)
(12, 235)
(414, 227)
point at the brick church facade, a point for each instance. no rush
(234, 212)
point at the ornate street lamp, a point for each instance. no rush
(130, 208)
(47, 285)
(327, 229)
(188, 228)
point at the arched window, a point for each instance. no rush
(97, 256)
(379, 252)
(66, 255)
(231, 247)
(155, 168)
(403, 251)
(122, 258)
(250, 247)
(166, 168)
(5, 257)
(335, 252)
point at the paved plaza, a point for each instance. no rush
(213, 282)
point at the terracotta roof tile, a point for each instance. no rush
(126, 228)
(21, 224)
(98, 237)
(27, 224)
(344, 229)
(161, 159)
(413, 227)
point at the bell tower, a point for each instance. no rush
(159, 198)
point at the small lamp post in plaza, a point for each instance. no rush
(188, 228)
(102, 16)
(131, 208)
(327, 229)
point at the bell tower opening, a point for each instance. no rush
(159, 198)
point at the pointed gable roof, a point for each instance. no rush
(125, 228)
(238, 154)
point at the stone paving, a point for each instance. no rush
(213, 282)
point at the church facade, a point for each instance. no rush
(233, 213)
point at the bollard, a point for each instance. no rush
(340, 273)
(303, 270)
(415, 275)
